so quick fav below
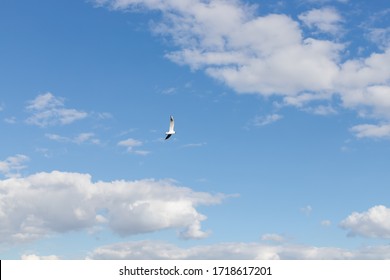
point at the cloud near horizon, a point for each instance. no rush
(43, 204)
(158, 250)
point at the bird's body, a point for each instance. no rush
(171, 130)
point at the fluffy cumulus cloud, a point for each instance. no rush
(45, 203)
(269, 54)
(373, 223)
(235, 251)
(47, 109)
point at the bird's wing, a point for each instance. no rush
(171, 124)
(168, 135)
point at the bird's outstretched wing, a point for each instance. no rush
(168, 135)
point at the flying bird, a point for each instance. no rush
(171, 128)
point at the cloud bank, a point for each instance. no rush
(47, 203)
(235, 251)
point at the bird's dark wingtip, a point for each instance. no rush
(169, 135)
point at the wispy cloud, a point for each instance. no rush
(103, 116)
(307, 210)
(12, 166)
(156, 250)
(273, 237)
(36, 257)
(327, 20)
(371, 131)
(169, 91)
(322, 2)
(322, 110)
(377, 29)
(86, 137)
(132, 143)
(10, 120)
(266, 120)
(380, 36)
(194, 145)
(47, 110)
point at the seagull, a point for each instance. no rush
(171, 127)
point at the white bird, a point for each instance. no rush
(171, 128)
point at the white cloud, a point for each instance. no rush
(85, 137)
(272, 237)
(12, 166)
(304, 98)
(372, 101)
(321, 2)
(160, 250)
(371, 131)
(307, 210)
(48, 110)
(326, 223)
(47, 203)
(36, 257)
(374, 223)
(10, 120)
(269, 55)
(321, 110)
(103, 116)
(194, 145)
(195, 231)
(56, 137)
(169, 91)
(266, 120)
(380, 36)
(130, 144)
(141, 152)
(327, 20)
(265, 55)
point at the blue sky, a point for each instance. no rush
(282, 128)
